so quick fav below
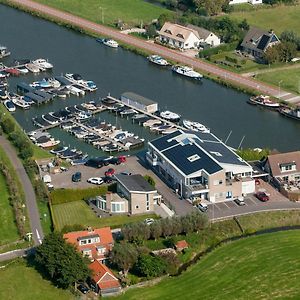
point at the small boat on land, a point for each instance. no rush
(290, 113)
(158, 60)
(264, 101)
(170, 116)
(4, 52)
(32, 68)
(110, 43)
(195, 126)
(9, 105)
(42, 64)
(187, 72)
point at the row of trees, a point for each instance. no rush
(282, 52)
(139, 232)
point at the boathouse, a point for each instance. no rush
(139, 102)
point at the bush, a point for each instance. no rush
(150, 180)
(222, 48)
(150, 266)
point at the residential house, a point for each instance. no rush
(103, 279)
(93, 243)
(257, 41)
(190, 37)
(200, 166)
(134, 196)
(245, 1)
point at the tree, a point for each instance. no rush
(61, 261)
(150, 266)
(212, 7)
(282, 52)
(176, 226)
(124, 256)
(163, 18)
(151, 31)
(172, 262)
(290, 36)
(166, 225)
(155, 230)
(199, 221)
(187, 224)
(8, 125)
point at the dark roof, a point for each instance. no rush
(166, 141)
(135, 183)
(36, 98)
(84, 237)
(263, 42)
(25, 87)
(137, 98)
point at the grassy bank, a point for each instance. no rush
(260, 267)
(21, 282)
(78, 212)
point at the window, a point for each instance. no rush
(193, 157)
(118, 207)
(137, 207)
(102, 204)
(218, 182)
(83, 242)
(228, 195)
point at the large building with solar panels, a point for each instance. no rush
(200, 166)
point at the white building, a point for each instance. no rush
(199, 165)
(245, 1)
(190, 37)
(139, 102)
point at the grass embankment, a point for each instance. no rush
(259, 267)
(279, 18)
(78, 212)
(20, 282)
(133, 12)
(288, 79)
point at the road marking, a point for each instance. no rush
(226, 205)
(255, 203)
(216, 206)
(38, 236)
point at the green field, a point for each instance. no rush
(20, 282)
(78, 212)
(260, 267)
(129, 11)
(279, 18)
(290, 79)
(8, 228)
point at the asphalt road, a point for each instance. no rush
(32, 209)
(163, 51)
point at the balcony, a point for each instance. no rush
(151, 159)
(197, 188)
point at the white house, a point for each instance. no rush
(190, 37)
(245, 1)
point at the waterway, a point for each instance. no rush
(116, 71)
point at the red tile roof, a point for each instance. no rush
(106, 241)
(180, 245)
(103, 276)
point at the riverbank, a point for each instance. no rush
(213, 72)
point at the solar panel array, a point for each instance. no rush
(166, 141)
(263, 42)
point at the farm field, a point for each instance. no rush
(78, 212)
(258, 267)
(279, 18)
(132, 12)
(21, 282)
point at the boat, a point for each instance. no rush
(13, 71)
(43, 84)
(195, 126)
(89, 85)
(290, 113)
(170, 116)
(83, 116)
(128, 112)
(59, 149)
(22, 69)
(158, 60)
(76, 91)
(51, 120)
(79, 161)
(21, 103)
(187, 71)
(264, 101)
(42, 64)
(3, 95)
(110, 148)
(73, 77)
(32, 68)
(4, 52)
(9, 105)
(110, 43)
(50, 144)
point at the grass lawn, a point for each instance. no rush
(20, 282)
(78, 212)
(39, 153)
(260, 267)
(290, 79)
(129, 11)
(279, 18)
(8, 228)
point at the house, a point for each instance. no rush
(93, 243)
(253, 2)
(257, 41)
(200, 166)
(283, 167)
(139, 102)
(181, 245)
(103, 279)
(190, 37)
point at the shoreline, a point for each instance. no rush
(140, 51)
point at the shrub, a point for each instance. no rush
(150, 266)
(150, 180)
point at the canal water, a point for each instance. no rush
(116, 71)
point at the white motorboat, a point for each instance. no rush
(170, 116)
(9, 105)
(187, 71)
(89, 106)
(195, 126)
(158, 60)
(32, 68)
(263, 100)
(76, 91)
(3, 95)
(21, 103)
(52, 82)
(22, 70)
(83, 116)
(88, 84)
(50, 144)
(42, 63)
(110, 43)
(73, 77)
(4, 52)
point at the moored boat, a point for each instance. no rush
(32, 68)
(170, 116)
(187, 71)
(195, 126)
(290, 113)
(21, 103)
(4, 52)
(158, 60)
(9, 105)
(263, 100)
(42, 64)
(110, 43)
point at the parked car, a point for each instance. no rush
(126, 173)
(240, 201)
(95, 180)
(76, 177)
(108, 179)
(114, 161)
(110, 172)
(262, 196)
(202, 207)
(149, 221)
(122, 158)
(98, 162)
(82, 288)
